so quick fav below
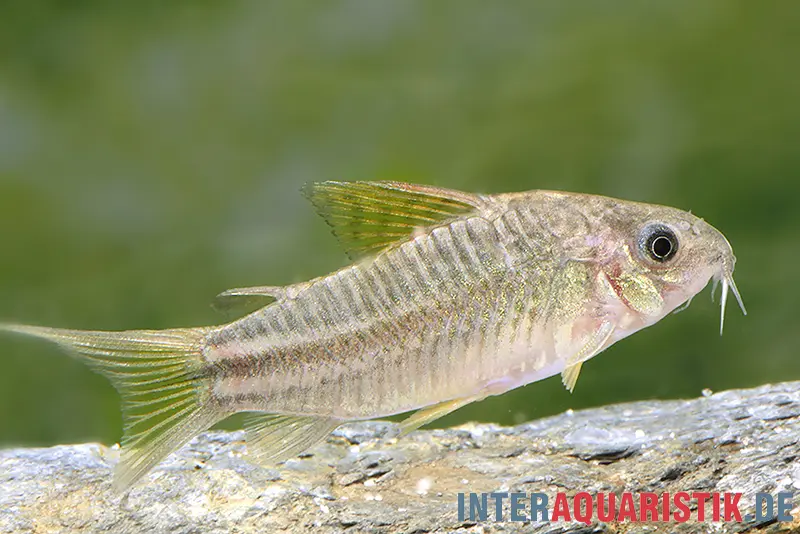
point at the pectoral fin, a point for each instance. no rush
(431, 413)
(273, 438)
(595, 343)
(367, 217)
(569, 376)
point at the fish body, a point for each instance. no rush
(452, 297)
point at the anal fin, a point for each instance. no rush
(431, 413)
(272, 438)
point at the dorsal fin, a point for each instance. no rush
(367, 217)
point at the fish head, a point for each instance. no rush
(662, 257)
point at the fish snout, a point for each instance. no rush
(724, 275)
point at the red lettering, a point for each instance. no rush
(648, 506)
(673, 507)
(732, 507)
(715, 515)
(606, 515)
(561, 508)
(584, 516)
(626, 508)
(701, 497)
(679, 500)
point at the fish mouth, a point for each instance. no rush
(725, 276)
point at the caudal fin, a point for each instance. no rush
(159, 375)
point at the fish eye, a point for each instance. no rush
(659, 243)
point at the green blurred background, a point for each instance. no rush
(151, 156)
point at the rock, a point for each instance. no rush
(365, 479)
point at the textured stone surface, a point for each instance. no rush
(364, 479)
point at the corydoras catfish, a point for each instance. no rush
(452, 297)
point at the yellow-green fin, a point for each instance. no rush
(368, 217)
(595, 343)
(432, 413)
(569, 376)
(272, 438)
(160, 378)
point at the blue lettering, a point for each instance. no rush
(498, 504)
(479, 504)
(517, 506)
(539, 507)
(764, 507)
(784, 506)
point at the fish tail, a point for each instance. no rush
(160, 377)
